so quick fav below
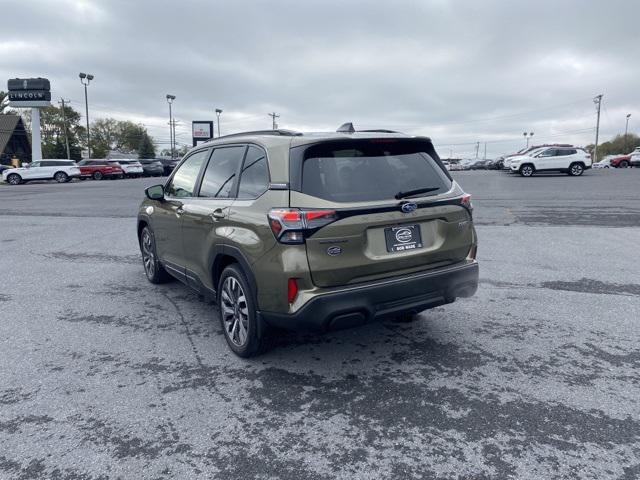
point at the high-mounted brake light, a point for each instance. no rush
(291, 225)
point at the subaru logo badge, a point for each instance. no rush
(408, 207)
(333, 251)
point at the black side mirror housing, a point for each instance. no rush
(155, 192)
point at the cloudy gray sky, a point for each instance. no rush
(458, 71)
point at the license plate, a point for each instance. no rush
(403, 238)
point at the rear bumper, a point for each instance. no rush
(360, 304)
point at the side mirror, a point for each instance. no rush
(155, 192)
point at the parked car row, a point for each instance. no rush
(63, 171)
(470, 164)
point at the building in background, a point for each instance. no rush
(14, 140)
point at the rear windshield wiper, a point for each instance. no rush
(411, 193)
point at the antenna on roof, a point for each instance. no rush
(346, 128)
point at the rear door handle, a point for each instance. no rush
(218, 214)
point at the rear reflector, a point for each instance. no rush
(292, 289)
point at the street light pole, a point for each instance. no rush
(85, 79)
(218, 112)
(170, 99)
(626, 129)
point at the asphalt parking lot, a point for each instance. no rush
(103, 375)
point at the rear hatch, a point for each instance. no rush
(385, 222)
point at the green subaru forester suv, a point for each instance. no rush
(314, 231)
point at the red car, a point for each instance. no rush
(99, 169)
(622, 161)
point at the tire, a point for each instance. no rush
(238, 316)
(97, 176)
(154, 271)
(575, 169)
(61, 177)
(623, 164)
(526, 170)
(14, 179)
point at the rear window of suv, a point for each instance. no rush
(370, 170)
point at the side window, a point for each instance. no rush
(35, 164)
(44, 163)
(184, 181)
(254, 179)
(551, 152)
(220, 175)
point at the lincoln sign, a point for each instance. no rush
(29, 92)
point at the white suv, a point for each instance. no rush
(46, 169)
(571, 160)
(130, 167)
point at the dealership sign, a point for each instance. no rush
(202, 131)
(29, 92)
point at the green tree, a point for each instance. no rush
(120, 135)
(130, 135)
(146, 148)
(104, 136)
(617, 146)
(52, 130)
(4, 104)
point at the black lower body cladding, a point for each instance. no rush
(363, 303)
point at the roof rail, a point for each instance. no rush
(278, 132)
(379, 130)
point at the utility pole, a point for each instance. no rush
(170, 99)
(273, 116)
(485, 150)
(626, 129)
(598, 101)
(477, 148)
(64, 123)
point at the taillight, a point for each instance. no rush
(292, 289)
(465, 201)
(291, 225)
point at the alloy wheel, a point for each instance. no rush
(527, 171)
(576, 170)
(148, 254)
(234, 311)
(14, 179)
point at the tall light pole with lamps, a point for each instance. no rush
(527, 137)
(170, 99)
(218, 112)
(85, 79)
